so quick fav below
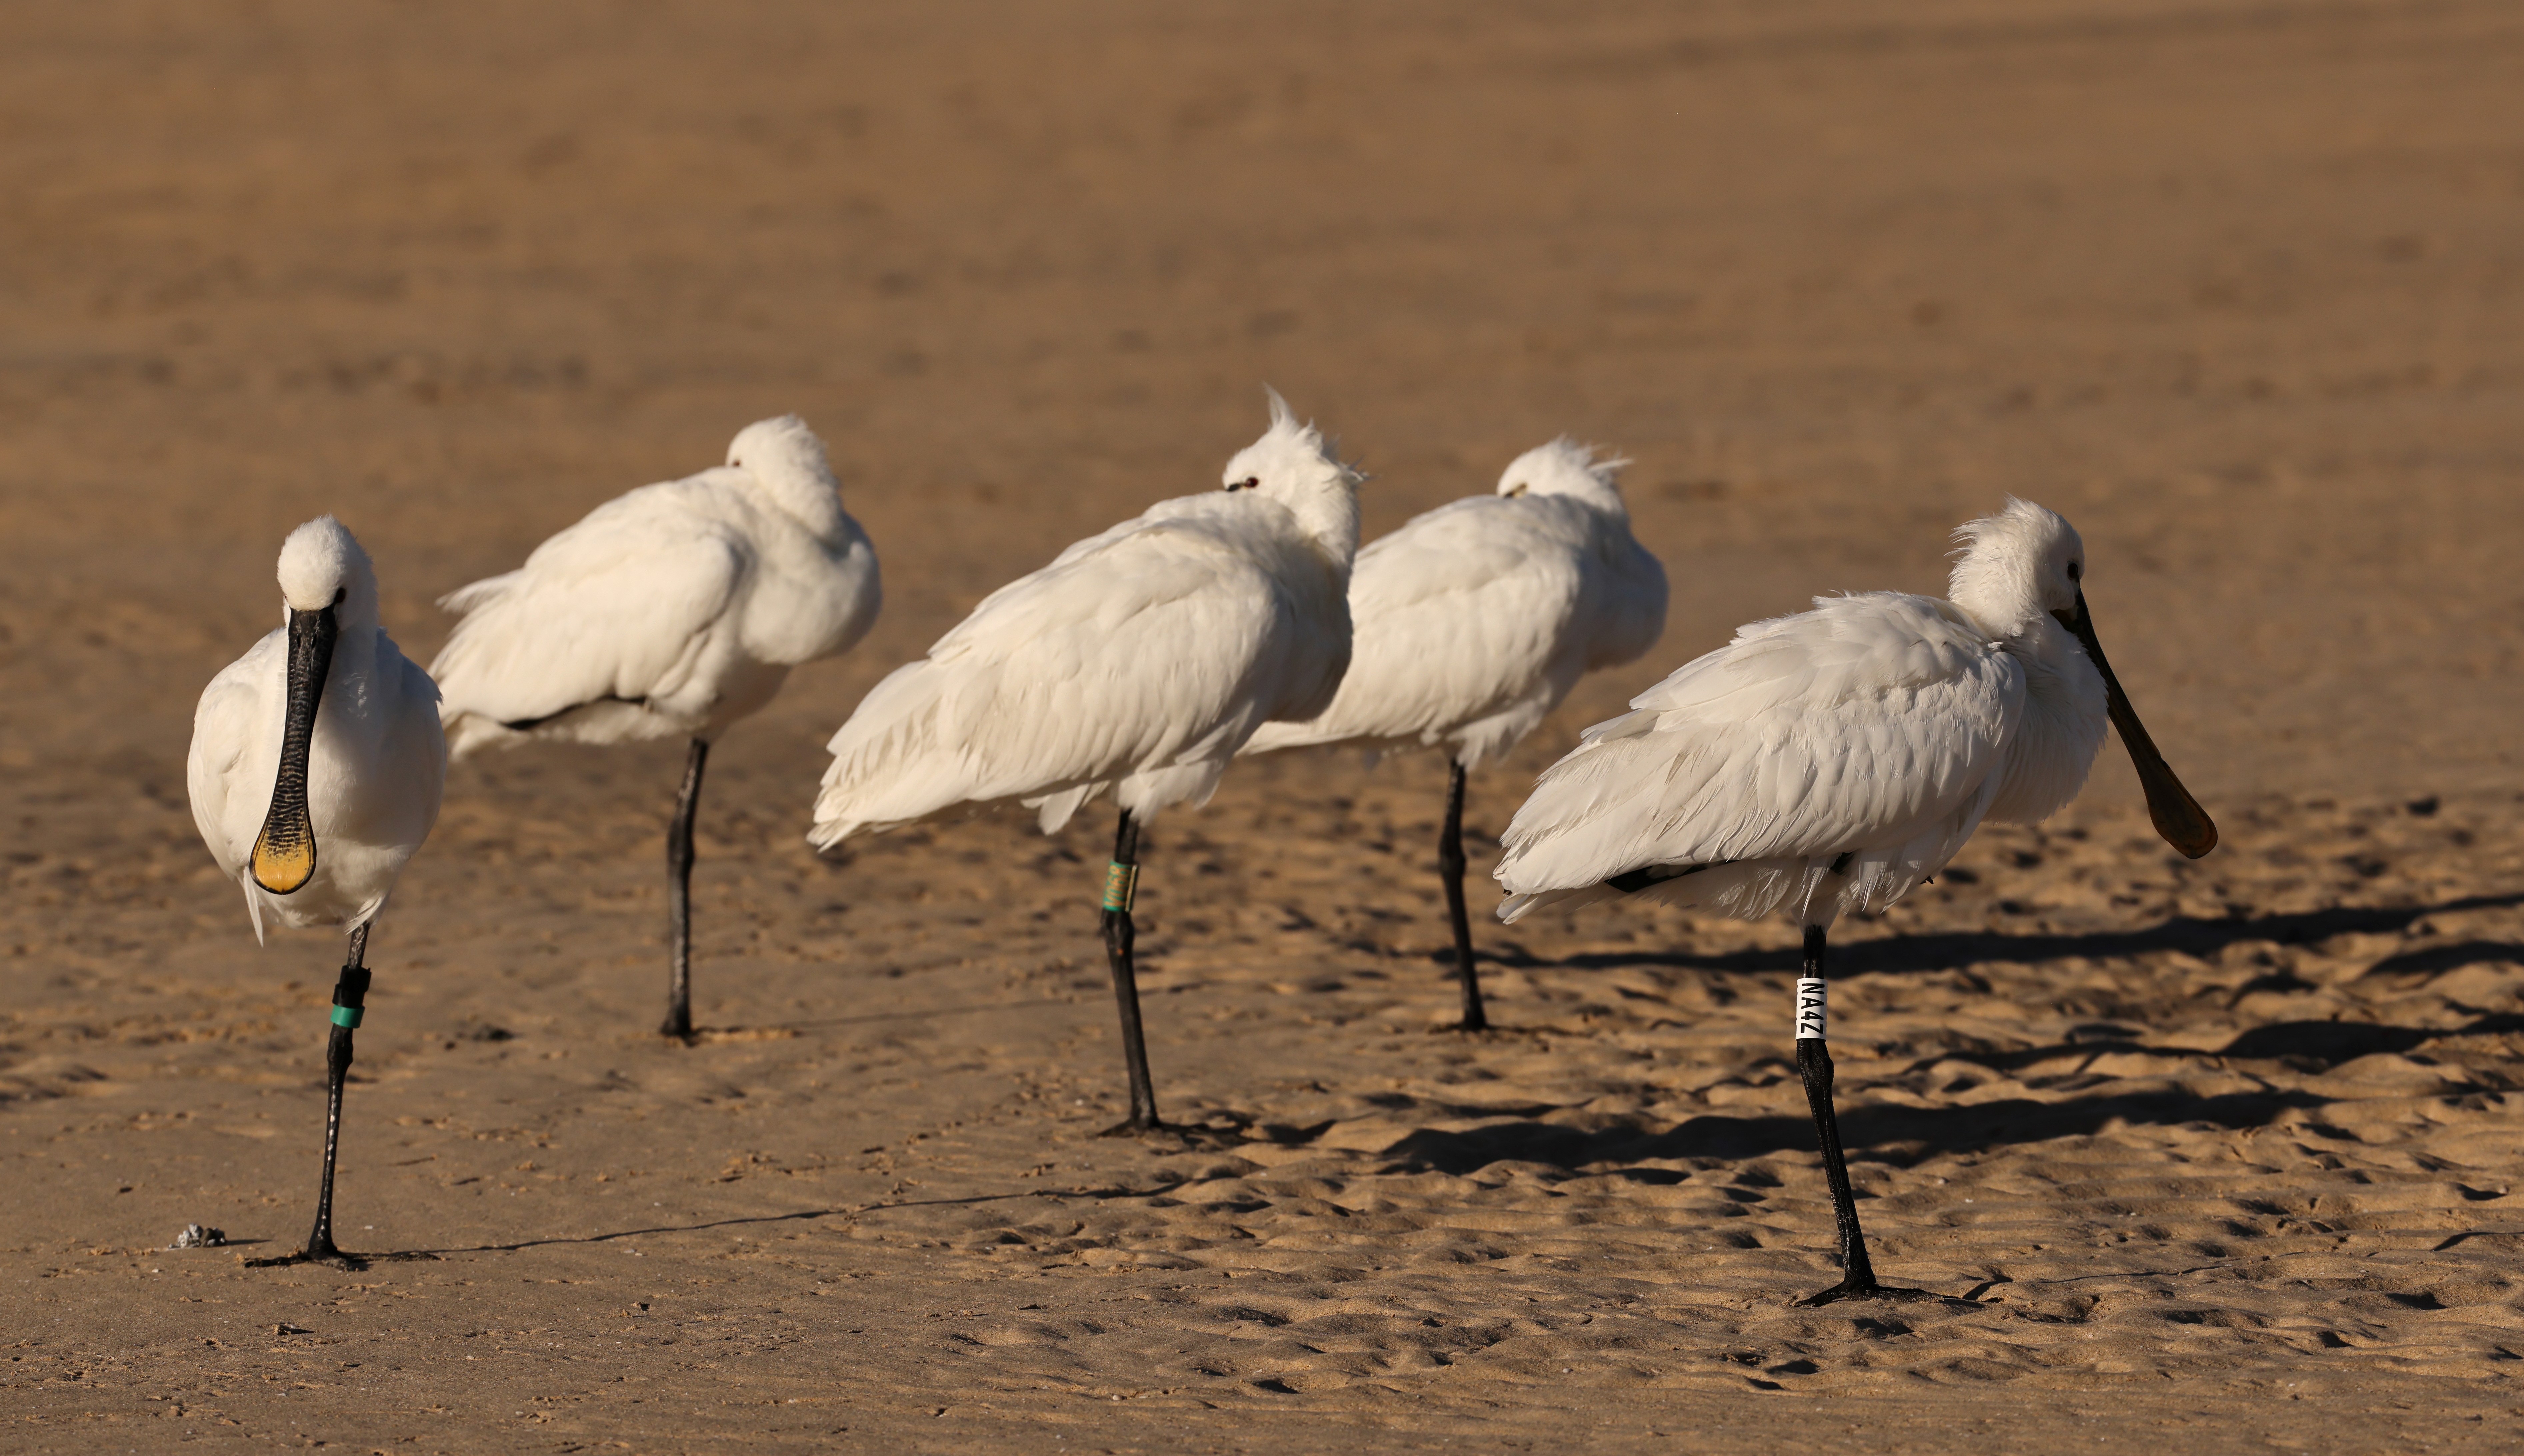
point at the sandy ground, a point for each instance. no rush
(2223, 1152)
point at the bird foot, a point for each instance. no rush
(680, 1028)
(1138, 1127)
(325, 1255)
(1869, 1289)
(1467, 1026)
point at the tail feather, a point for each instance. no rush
(888, 766)
(253, 901)
(1272, 737)
(1053, 810)
(467, 731)
(465, 599)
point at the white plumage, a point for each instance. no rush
(1882, 726)
(1876, 725)
(1140, 659)
(316, 772)
(673, 611)
(670, 612)
(375, 763)
(1474, 622)
(1826, 762)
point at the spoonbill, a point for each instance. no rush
(315, 773)
(1140, 659)
(1826, 762)
(672, 610)
(1475, 620)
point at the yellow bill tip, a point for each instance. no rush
(283, 868)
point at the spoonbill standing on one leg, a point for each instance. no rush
(1475, 620)
(1826, 762)
(315, 773)
(672, 610)
(1140, 659)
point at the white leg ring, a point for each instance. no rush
(1810, 1009)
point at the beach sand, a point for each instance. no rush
(2222, 1153)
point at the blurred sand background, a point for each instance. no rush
(2223, 1149)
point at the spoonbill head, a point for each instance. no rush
(315, 772)
(1565, 467)
(311, 781)
(1826, 762)
(1475, 620)
(1139, 660)
(1294, 468)
(328, 583)
(787, 461)
(322, 566)
(2025, 560)
(671, 612)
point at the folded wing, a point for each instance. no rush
(1463, 614)
(1155, 645)
(624, 607)
(1811, 735)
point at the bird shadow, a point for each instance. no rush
(2310, 1046)
(2319, 1046)
(2195, 935)
(751, 1221)
(776, 1030)
(1898, 1136)
(2431, 961)
(1904, 1136)
(766, 1220)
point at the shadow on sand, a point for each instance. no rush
(1899, 1135)
(1903, 1135)
(2191, 934)
(793, 1216)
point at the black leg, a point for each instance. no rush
(679, 897)
(1121, 883)
(1450, 869)
(350, 997)
(1814, 1064)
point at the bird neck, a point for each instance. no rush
(812, 497)
(2034, 637)
(2000, 604)
(2063, 728)
(1330, 519)
(355, 621)
(354, 647)
(1596, 496)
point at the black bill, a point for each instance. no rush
(2178, 817)
(284, 853)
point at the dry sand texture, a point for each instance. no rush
(2225, 1149)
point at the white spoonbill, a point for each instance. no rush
(1475, 620)
(1824, 763)
(315, 773)
(1139, 660)
(670, 612)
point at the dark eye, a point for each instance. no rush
(341, 595)
(2074, 569)
(1248, 483)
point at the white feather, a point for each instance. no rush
(1140, 659)
(1881, 727)
(673, 611)
(375, 766)
(1474, 620)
